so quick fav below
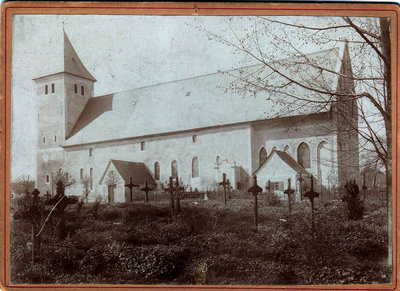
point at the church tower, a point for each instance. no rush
(346, 113)
(61, 98)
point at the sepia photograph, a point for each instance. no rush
(201, 150)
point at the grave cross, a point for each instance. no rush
(311, 195)
(224, 184)
(255, 190)
(130, 186)
(170, 189)
(300, 179)
(289, 191)
(146, 190)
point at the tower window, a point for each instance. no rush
(194, 138)
(55, 138)
(81, 174)
(46, 89)
(142, 146)
(47, 178)
(82, 90)
(90, 152)
(52, 88)
(75, 89)
(44, 139)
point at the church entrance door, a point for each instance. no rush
(111, 191)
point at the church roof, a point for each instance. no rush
(72, 63)
(69, 62)
(286, 158)
(138, 171)
(204, 101)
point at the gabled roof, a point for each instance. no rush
(138, 171)
(204, 101)
(285, 157)
(72, 63)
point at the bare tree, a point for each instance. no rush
(112, 180)
(24, 184)
(296, 80)
(63, 177)
(85, 183)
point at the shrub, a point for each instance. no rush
(273, 200)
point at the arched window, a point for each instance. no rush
(55, 138)
(82, 90)
(52, 88)
(46, 89)
(195, 167)
(47, 178)
(303, 155)
(156, 171)
(263, 155)
(194, 138)
(44, 139)
(81, 173)
(75, 89)
(174, 169)
(322, 159)
(142, 146)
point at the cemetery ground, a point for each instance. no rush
(208, 243)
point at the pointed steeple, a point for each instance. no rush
(72, 63)
(345, 80)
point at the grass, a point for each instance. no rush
(210, 243)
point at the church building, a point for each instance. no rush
(194, 129)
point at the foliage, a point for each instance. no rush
(355, 205)
(137, 243)
(272, 199)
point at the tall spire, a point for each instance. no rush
(345, 80)
(72, 63)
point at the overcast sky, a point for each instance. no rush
(121, 52)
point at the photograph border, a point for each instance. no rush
(10, 9)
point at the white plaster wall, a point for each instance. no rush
(231, 143)
(276, 171)
(285, 134)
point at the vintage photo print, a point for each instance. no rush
(200, 147)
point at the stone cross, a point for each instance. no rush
(130, 186)
(255, 190)
(224, 184)
(289, 191)
(146, 190)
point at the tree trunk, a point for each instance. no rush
(385, 45)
